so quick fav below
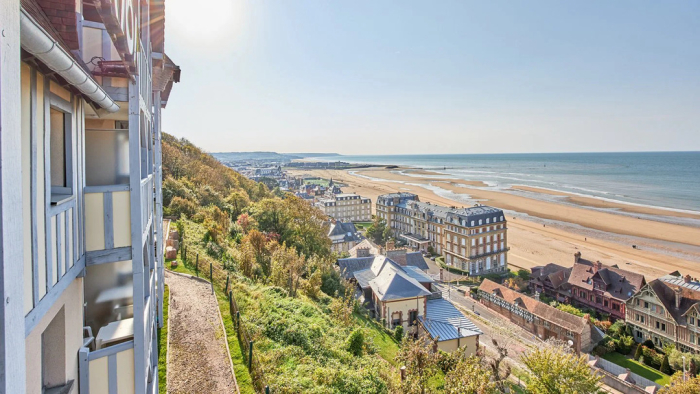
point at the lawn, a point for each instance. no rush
(362, 225)
(163, 344)
(243, 378)
(640, 369)
(385, 343)
(322, 182)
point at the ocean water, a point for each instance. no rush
(658, 179)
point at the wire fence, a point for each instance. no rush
(204, 267)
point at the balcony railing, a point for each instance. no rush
(104, 370)
(107, 217)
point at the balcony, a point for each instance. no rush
(104, 370)
(107, 219)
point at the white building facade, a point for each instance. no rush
(82, 85)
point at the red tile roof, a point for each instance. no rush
(543, 311)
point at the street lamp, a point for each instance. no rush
(683, 357)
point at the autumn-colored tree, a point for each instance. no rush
(470, 376)
(515, 283)
(246, 222)
(287, 269)
(689, 385)
(259, 245)
(420, 358)
(555, 369)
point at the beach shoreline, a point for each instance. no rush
(592, 226)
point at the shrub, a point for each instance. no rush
(355, 342)
(603, 325)
(638, 352)
(617, 329)
(649, 343)
(624, 344)
(665, 367)
(398, 333)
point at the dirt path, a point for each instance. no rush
(198, 359)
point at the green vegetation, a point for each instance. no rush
(378, 231)
(554, 368)
(240, 368)
(163, 344)
(638, 368)
(322, 182)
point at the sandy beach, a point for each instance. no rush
(598, 234)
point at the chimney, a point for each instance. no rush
(597, 266)
(362, 252)
(686, 279)
(536, 296)
(587, 318)
(390, 245)
(678, 297)
(577, 257)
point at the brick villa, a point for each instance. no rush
(588, 284)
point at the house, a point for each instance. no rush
(605, 289)
(588, 284)
(540, 319)
(82, 89)
(365, 253)
(343, 236)
(549, 280)
(667, 311)
(396, 295)
(472, 239)
(450, 327)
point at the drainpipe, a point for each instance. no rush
(36, 41)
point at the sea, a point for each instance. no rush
(669, 180)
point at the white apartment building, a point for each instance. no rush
(347, 207)
(82, 85)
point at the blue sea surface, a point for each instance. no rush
(660, 179)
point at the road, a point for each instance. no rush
(493, 325)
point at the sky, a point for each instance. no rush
(427, 77)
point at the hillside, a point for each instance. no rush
(294, 304)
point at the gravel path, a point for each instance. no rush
(198, 360)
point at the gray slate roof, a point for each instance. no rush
(392, 284)
(456, 215)
(346, 229)
(445, 322)
(350, 265)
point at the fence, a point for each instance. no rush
(217, 275)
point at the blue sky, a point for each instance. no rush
(399, 77)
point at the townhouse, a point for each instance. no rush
(538, 318)
(472, 239)
(667, 311)
(588, 284)
(346, 207)
(82, 89)
(343, 236)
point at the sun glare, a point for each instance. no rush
(203, 22)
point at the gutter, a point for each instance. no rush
(36, 41)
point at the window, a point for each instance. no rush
(663, 326)
(692, 320)
(60, 145)
(412, 318)
(646, 305)
(480, 222)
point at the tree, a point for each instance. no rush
(470, 376)
(378, 231)
(398, 333)
(421, 362)
(287, 268)
(355, 342)
(555, 369)
(638, 353)
(680, 386)
(500, 370)
(665, 368)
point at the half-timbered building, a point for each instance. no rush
(82, 88)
